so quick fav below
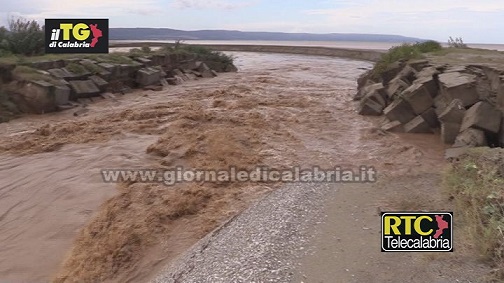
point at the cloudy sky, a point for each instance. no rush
(476, 21)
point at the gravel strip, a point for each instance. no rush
(259, 245)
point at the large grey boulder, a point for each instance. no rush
(453, 113)
(449, 132)
(428, 72)
(483, 116)
(99, 82)
(375, 91)
(393, 126)
(370, 107)
(460, 86)
(429, 83)
(419, 98)
(408, 74)
(391, 72)
(396, 87)
(399, 110)
(471, 138)
(148, 76)
(61, 95)
(84, 88)
(431, 118)
(38, 96)
(177, 73)
(441, 102)
(417, 125)
(419, 65)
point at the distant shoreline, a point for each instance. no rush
(351, 53)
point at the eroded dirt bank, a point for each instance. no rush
(279, 111)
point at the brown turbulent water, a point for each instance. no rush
(280, 110)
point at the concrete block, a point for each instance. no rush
(99, 82)
(429, 83)
(460, 86)
(419, 98)
(370, 107)
(431, 118)
(417, 125)
(61, 95)
(394, 126)
(148, 76)
(84, 88)
(471, 138)
(453, 113)
(39, 96)
(396, 87)
(408, 74)
(399, 110)
(392, 71)
(370, 90)
(483, 116)
(440, 103)
(419, 64)
(449, 132)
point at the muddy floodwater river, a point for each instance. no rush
(285, 109)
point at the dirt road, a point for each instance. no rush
(279, 111)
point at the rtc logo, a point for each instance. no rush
(76, 36)
(422, 231)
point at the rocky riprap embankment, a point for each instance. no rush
(465, 104)
(62, 85)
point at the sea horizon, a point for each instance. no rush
(333, 44)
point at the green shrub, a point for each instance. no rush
(25, 37)
(404, 52)
(146, 49)
(206, 54)
(428, 46)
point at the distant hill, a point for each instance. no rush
(173, 34)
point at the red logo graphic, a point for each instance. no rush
(97, 33)
(442, 225)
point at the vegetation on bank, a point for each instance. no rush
(22, 41)
(22, 37)
(476, 184)
(199, 52)
(404, 52)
